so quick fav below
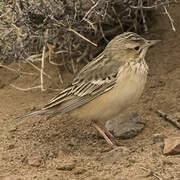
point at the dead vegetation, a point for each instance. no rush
(69, 32)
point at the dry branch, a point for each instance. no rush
(23, 24)
(173, 119)
(170, 18)
(71, 30)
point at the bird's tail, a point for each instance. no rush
(33, 113)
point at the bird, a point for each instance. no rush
(106, 86)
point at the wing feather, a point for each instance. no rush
(77, 101)
(96, 78)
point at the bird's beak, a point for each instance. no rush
(152, 42)
(146, 47)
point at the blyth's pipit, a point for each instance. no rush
(107, 85)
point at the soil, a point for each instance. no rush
(64, 148)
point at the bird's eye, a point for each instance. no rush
(137, 48)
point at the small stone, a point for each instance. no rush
(115, 154)
(12, 128)
(172, 146)
(167, 162)
(35, 160)
(60, 155)
(158, 138)
(79, 171)
(11, 146)
(65, 166)
(125, 126)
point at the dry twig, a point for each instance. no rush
(173, 119)
(81, 36)
(35, 67)
(151, 173)
(25, 89)
(42, 69)
(149, 7)
(91, 9)
(18, 72)
(23, 24)
(170, 18)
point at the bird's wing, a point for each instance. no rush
(96, 78)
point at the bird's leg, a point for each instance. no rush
(108, 133)
(103, 134)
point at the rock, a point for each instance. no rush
(158, 138)
(66, 166)
(64, 163)
(60, 155)
(34, 160)
(79, 171)
(115, 154)
(11, 146)
(12, 128)
(172, 146)
(125, 126)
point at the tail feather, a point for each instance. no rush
(36, 112)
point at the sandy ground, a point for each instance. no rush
(63, 148)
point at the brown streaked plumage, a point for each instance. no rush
(107, 85)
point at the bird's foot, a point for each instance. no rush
(110, 139)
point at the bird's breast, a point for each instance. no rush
(130, 85)
(128, 88)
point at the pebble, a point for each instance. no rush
(125, 126)
(10, 146)
(79, 171)
(34, 160)
(158, 138)
(172, 146)
(115, 155)
(65, 166)
(12, 128)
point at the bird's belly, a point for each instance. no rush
(110, 104)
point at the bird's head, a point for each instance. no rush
(130, 46)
